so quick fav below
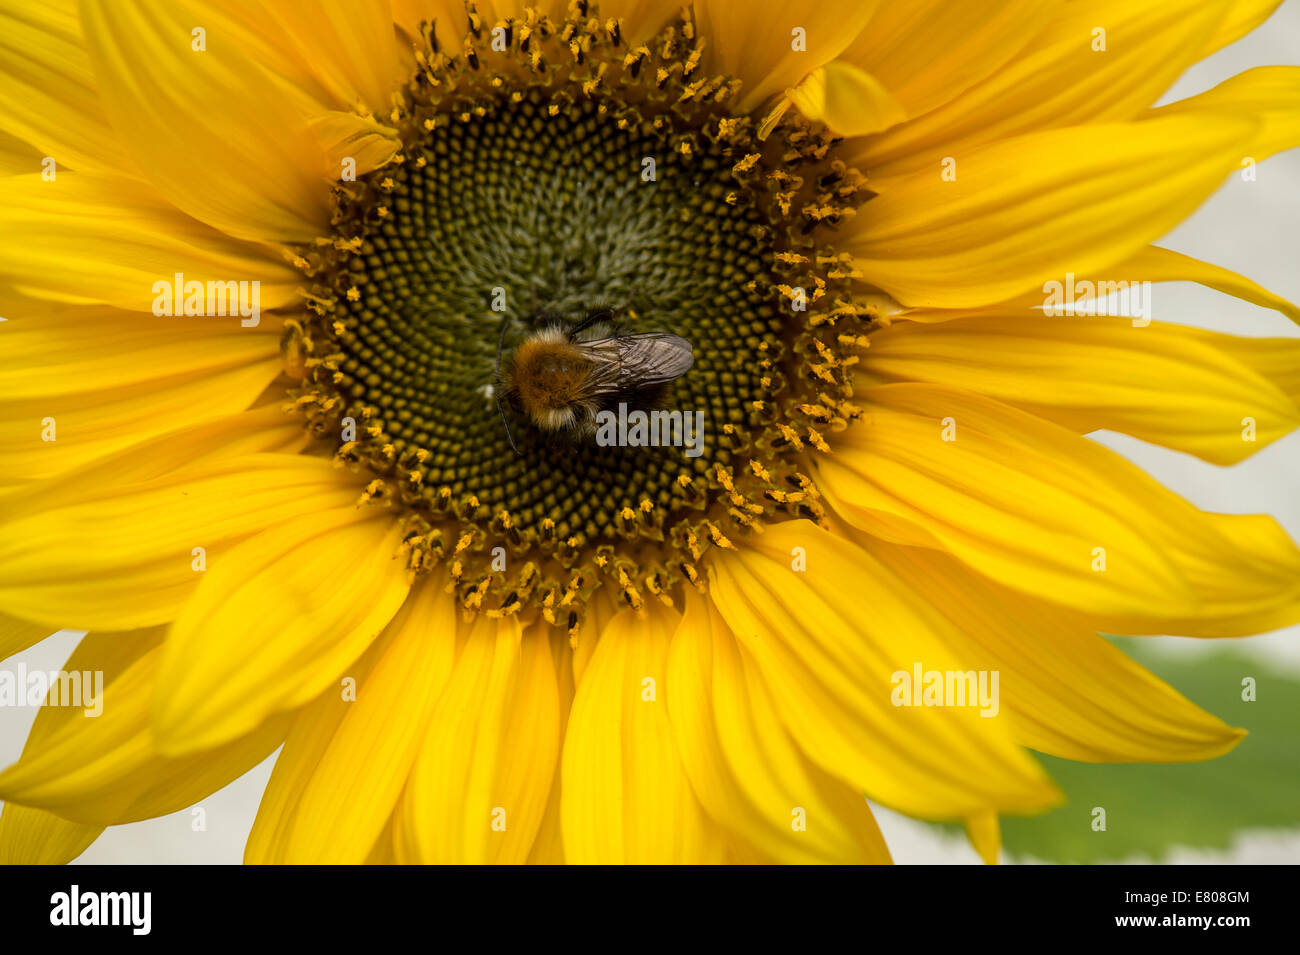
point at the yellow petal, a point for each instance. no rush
(747, 771)
(1277, 359)
(1048, 513)
(105, 769)
(30, 836)
(346, 760)
(1269, 93)
(143, 564)
(247, 26)
(264, 428)
(204, 126)
(1034, 207)
(600, 611)
(1242, 17)
(775, 50)
(111, 379)
(88, 240)
(832, 673)
(17, 635)
(344, 136)
(625, 795)
(1249, 584)
(926, 52)
(36, 837)
(347, 46)
(1149, 264)
(1068, 691)
(17, 157)
(739, 852)
(479, 788)
(548, 847)
(84, 349)
(1058, 80)
(1160, 383)
(48, 95)
(309, 736)
(382, 853)
(1154, 264)
(274, 621)
(999, 504)
(985, 835)
(847, 99)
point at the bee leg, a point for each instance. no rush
(595, 318)
(501, 344)
(497, 389)
(616, 315)
(509, 437)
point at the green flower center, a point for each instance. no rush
(579, 176)
(516, 207)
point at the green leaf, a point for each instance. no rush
(1152, 808)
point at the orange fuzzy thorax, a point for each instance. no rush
(548, 377)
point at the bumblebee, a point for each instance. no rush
(564, 374)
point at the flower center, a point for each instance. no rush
(580, 175)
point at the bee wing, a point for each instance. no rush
(636, 361)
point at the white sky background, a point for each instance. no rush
(1250, 227)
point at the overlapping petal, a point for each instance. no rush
(1070, 692)
(773, 52)
(346, 760)
(48, 93)
(1046, 512)
(744, 765)
(38, 837)
(830, 670)
(86, 240)
(106, 769)
(1093, 63)
(479, 788)
(218, 142)
(140, 565)
(82, 382)
(625, 794)
(1162, 383)
(1031, 208)
(957, 44)
(274, 621)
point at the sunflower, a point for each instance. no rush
(261, 262)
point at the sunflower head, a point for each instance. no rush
(473, 633)
(550, 168)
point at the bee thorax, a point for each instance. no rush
(548, 380)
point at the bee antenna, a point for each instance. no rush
(505, 321)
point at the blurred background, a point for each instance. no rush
(1241, 808)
